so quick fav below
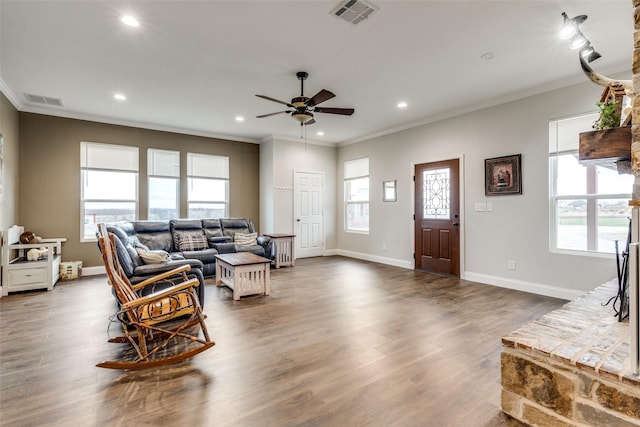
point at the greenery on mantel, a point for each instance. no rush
(609, 118)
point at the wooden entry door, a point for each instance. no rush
(437, 217)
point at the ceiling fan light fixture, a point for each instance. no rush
(302, 116)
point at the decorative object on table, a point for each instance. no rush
(37, 254)
(503, 175)
(29, 238)
(389, 191)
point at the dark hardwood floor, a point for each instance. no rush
(339, 342)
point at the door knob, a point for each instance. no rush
(455, 224)
(298, 219)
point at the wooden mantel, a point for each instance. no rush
(605, 146)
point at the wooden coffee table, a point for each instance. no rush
(244, 272)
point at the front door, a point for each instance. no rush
(437, 217)
(308, 209)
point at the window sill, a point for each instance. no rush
(366, 233)
(588, 254)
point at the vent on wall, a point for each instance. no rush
(39, 99)
(354, 11)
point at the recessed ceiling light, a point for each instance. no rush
(130, 21)
(487, 56)
(320, 133)
(120, 97)
(402, 104)
(239, 119)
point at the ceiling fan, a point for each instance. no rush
(302, 108)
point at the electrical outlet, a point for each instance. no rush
(384, 247)
(489, 207)
(511, 265)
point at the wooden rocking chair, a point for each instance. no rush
(161, 327)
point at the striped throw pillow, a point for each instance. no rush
(193, 242)
(245, 239)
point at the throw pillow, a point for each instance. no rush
(193, 242)
(245, 239)
(153, 257)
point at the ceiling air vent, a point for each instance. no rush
(39, 99)
(353, 11)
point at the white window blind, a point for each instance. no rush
(356, 168)
(163, 163)
(207, 166)
(108, 156)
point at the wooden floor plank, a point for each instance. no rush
(338, 342)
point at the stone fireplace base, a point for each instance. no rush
(571, 367)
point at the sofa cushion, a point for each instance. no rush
(124, 259)
(154, 234)
(153, 257)
(231, 226)
(192, 242)
(206, 256)
(245, 239)
(180, 227)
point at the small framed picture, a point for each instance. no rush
(503, 175)
(389, 191)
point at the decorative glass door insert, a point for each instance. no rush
(436, 195)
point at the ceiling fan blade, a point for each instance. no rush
(309, 122)
(268, 98)
(272, 114)
(319, 97)
(342, 111)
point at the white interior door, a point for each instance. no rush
(308, 208)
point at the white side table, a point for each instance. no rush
(284, 249)
(18, 274)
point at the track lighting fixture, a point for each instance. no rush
(571, 31)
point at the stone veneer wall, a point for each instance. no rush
(570, 367)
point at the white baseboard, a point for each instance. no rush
(331, 252)
(519, 285)
(93, 271)
(374, 258)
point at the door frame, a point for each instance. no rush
(323, 246)
(412, 191)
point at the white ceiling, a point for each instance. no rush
(193, 66)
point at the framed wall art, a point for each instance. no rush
(503, 175)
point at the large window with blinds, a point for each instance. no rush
(163, 178)
(589, 208)
(356, 195)
(109, 187)
(208, 185)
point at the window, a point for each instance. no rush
(356, 194)
(109, 188)
(208, 183)
(163, 170)
(589, 203)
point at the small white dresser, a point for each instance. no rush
(19, 274)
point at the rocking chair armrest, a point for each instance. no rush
(191, 283)
(161, 276)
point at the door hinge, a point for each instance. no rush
(414, 217)
(414, 255)
(414, 178)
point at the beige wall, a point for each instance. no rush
(287, 158)
(49, 202)
(517, 228)
(9, 125)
